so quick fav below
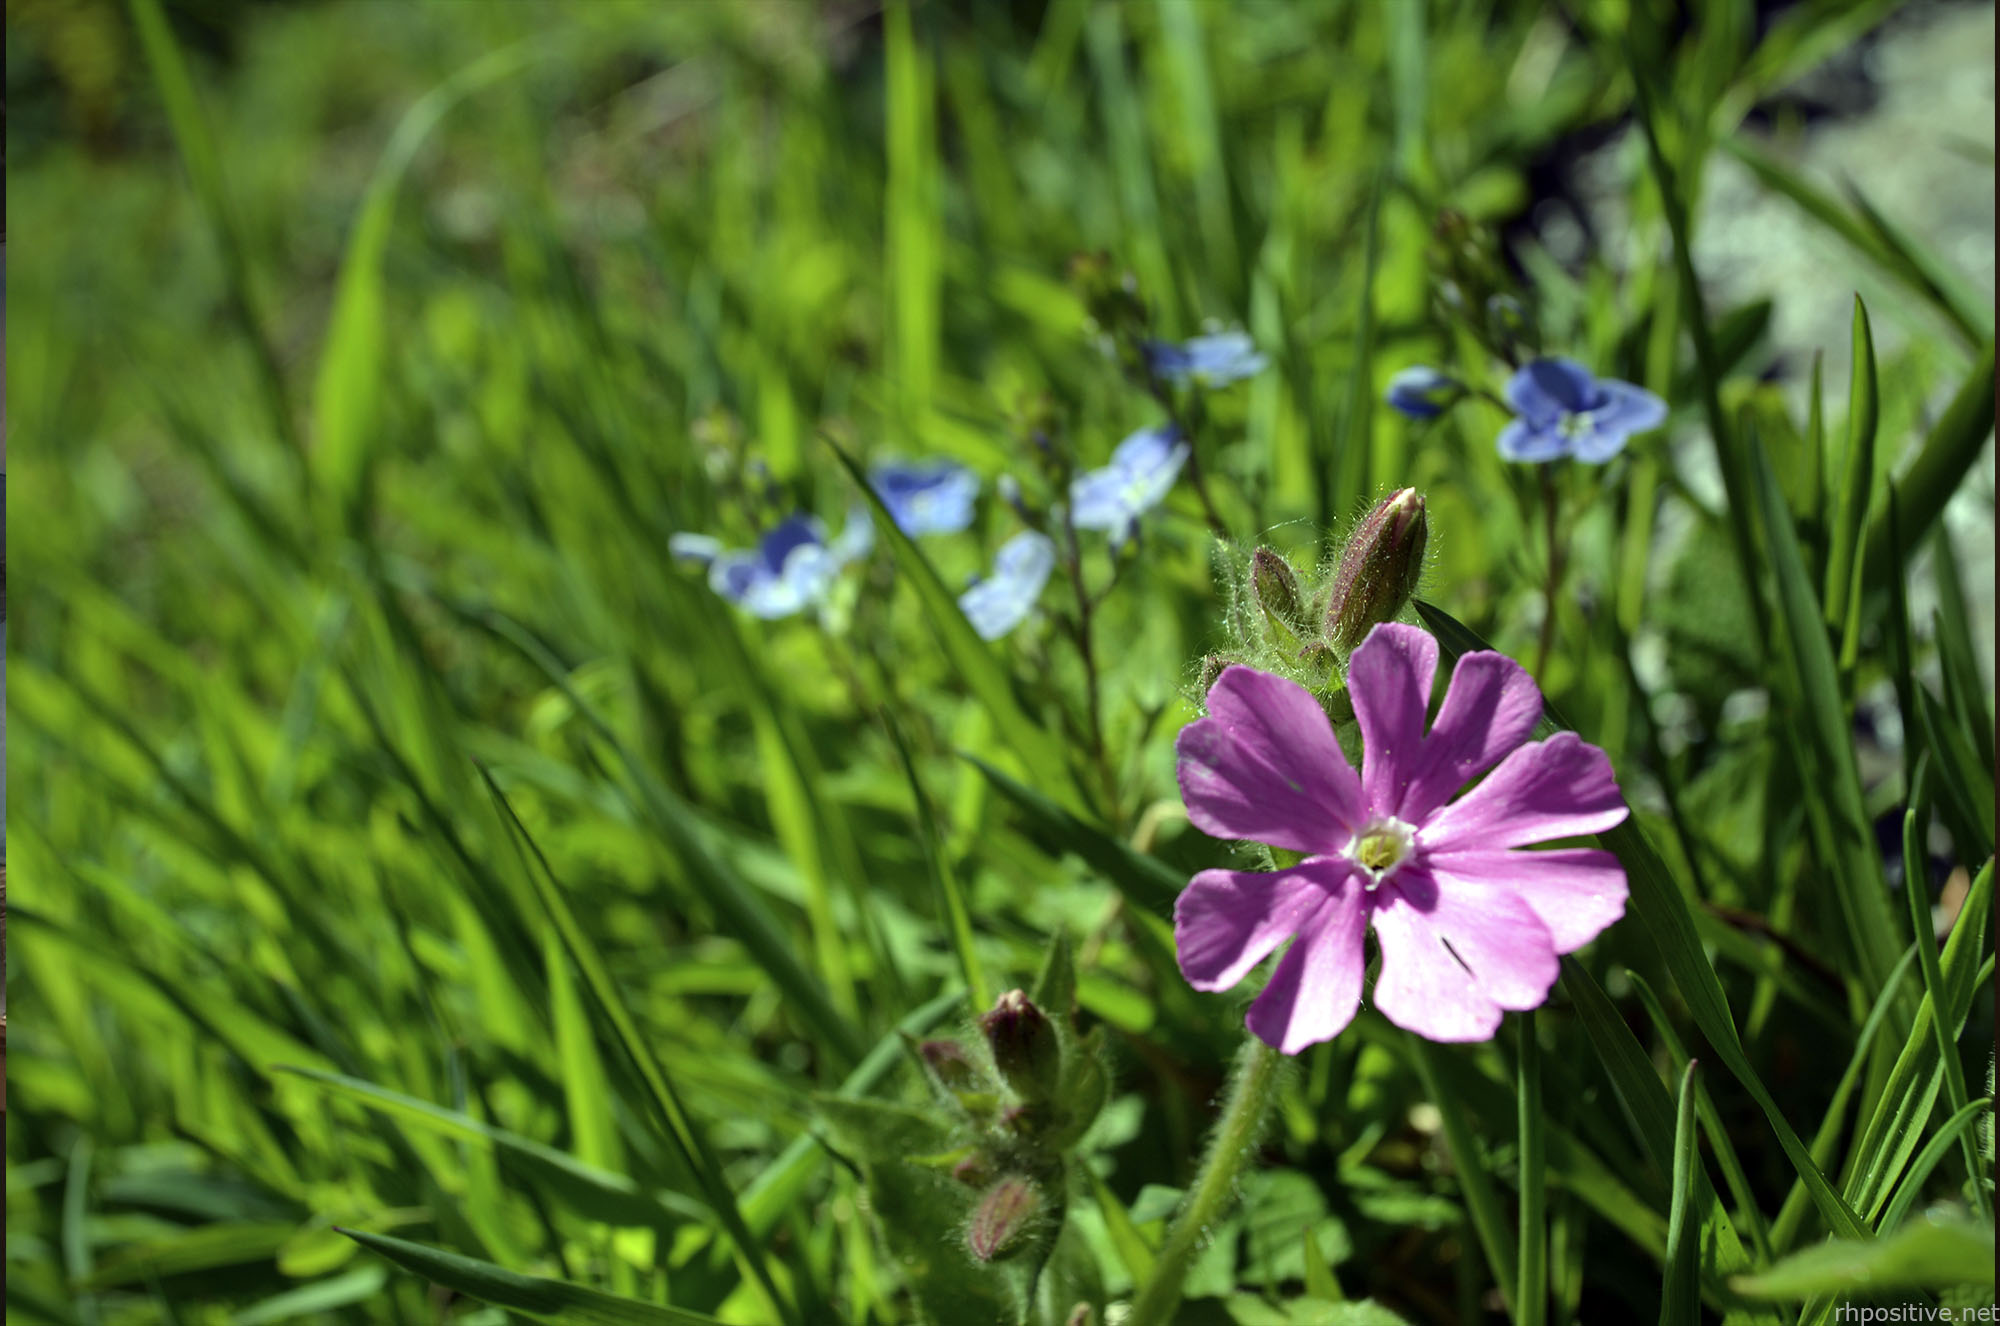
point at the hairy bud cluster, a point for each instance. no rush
(1284, 625)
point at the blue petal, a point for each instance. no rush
(784, 538)
(1215, 360)
(1628, 408)
(1419, 391)
(1547, 387)
(856, 538)
(1527, 441)
(1148, 449)
(1000, 603)
(697, 548)
(927, 497)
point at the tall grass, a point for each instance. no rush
(421, 879)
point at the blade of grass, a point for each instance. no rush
(347, 393)
(952, 911)
(1840, 819)
(599, 1194)
(1864, 237)
(1711, 1121)
(1856, 491)
(1475, 1182)
(1145, 881)
(1912, 1084)
(689, 1143)
(1791, 1213)
(1680, 1305)
(1955, 1130)
(1948, 454)
(1964, 690)
(1531, 1307)
(531, 1295)
(970, 656)
(1916, 889)
(204, 167)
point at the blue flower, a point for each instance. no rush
(1564, 411)
(1213, 361)
(1421, 392)
(1001, 602)
(1141, 474)
(927, 496)
(790, 569)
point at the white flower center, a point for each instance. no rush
(1382, 845)
(1577, 424)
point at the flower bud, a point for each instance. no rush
(1024, 1045)
(1002, 1217)
(1276, 586)
(1379, 568)
(950, 1064)
(973, 1171)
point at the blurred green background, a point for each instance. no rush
(360, 377)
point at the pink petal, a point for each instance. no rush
(1422, 987)
(1228, 921)
(1549, 789)
(1316, 989)
(1576, 891)
(1389, 679)
(1264, 765)
(1492, 932)
(1490, 708)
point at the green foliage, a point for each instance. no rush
(431, 900)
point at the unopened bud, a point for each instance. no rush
(1276, 586)
(950, 1064)
(1002, 1217)
(1024, 1045)
(1379, 568)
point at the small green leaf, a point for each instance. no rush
(1679, 1302)
(1927, 1255)
(531, 1295)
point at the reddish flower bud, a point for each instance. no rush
(1024, 1045)
(1002, 1217)
(1379, 568)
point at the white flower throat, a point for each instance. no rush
(1382, 845)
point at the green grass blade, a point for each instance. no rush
(952, 911)
(531, 1295)
(1680, 1305)
(1719, 1140)
(736, 906)
(1964, 690)
(1819, 712)
(1475, 1183)
(1531, 1306)
(1864, 237)
(1791, 1214)
(347, 393)
(666, 1097)
(204, 167)
(1856, 487)
(970, 656)
(1146, 882)
(1947, 455)
(598, 1193)
(1956, 1130)
(1968, 788)
(1913, 1082)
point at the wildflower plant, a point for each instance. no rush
(566, 677)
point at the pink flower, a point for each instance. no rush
(1391, 848)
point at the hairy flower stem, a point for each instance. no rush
(1253, 1090)
(1553, 586)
